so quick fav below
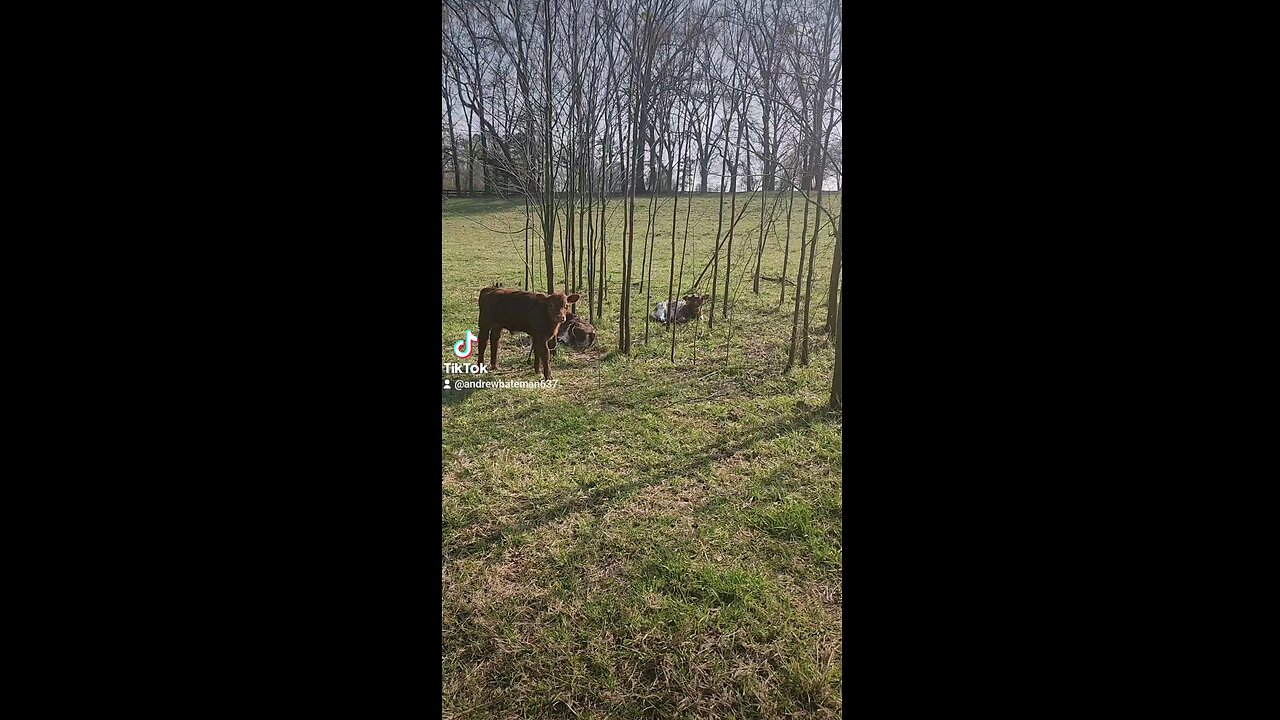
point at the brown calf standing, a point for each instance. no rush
(538, 314)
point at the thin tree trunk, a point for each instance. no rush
(569, 247)
(715, 263)
(604, 185)
(633, 125)
(733, 204)
(837, 374)
(484, 145)
(591, 231)
(624, 165)
(705, 146)
(528, 266)
(755, 282)
(651, 235)
(808, 290)
(654, 158)
(604, 202)
(578, 147)
(457, 79)
(453, 144)
(564, 253)
(786, 252)
(671, 275)
(471, 156)
(795, 314)
(684, 249)
(813, 246)
(833, 291)
(644, 251)
(549, 190)
(671, 170)
(582, 219)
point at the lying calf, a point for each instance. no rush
(688, 309)
(575, 332)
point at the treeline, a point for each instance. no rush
(570, 107)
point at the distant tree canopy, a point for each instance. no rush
(692, 71)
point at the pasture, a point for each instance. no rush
(646, 539)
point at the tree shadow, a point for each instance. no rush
(515, 363)
(530, 516)
(453, 396)
(479, 205)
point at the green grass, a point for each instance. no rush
(647, 539)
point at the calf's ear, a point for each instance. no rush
(572, 298)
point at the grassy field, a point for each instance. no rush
(646, 539)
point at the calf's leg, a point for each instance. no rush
(484, 336)
(494, 337)
(540, 359)
(546, 362)
(547, 365)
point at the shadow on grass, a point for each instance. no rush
(601, 498)
(479, 205)
(453, 397)
(514, 366)
(639, 399)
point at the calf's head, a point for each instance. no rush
(693, 306)
(556, 305)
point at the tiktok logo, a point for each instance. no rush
(458, 346)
